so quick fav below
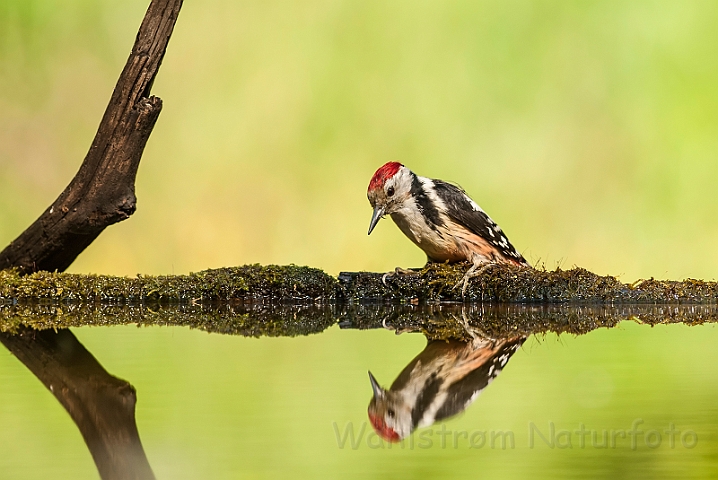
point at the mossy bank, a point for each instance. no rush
(435, 283)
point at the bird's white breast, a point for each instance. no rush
(437, 246)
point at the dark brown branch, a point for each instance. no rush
(102, 406)
(103, 190)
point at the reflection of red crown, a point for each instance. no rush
(382, 429)
(384, 173)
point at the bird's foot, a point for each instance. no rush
(475, 270)
(398, 271)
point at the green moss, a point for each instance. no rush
(433, 284)
(249, 282)
(513, 284)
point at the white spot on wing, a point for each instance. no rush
(474, 205)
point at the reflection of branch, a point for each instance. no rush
(103, 191)
(452, 321)
(455, 321)
(102, 406)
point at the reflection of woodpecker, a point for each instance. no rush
(444, 379)
(440, 218)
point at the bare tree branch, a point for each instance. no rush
(103, 190)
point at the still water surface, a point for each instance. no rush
(624, 400)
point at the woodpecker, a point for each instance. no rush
(440, 218)
(442, 381)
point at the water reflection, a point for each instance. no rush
(101, 405)
(468, 346)
(436, 321)
(442, 381)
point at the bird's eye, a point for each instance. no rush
(390, 413)
(390, 191)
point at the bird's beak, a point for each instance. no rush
(378, 213)
(378, 391)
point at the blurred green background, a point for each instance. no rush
(588, 131)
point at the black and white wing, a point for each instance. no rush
(460, 208)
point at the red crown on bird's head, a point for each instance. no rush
(382, 429)
(384, 173)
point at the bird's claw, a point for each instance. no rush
(474, 271)
(464, 282)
